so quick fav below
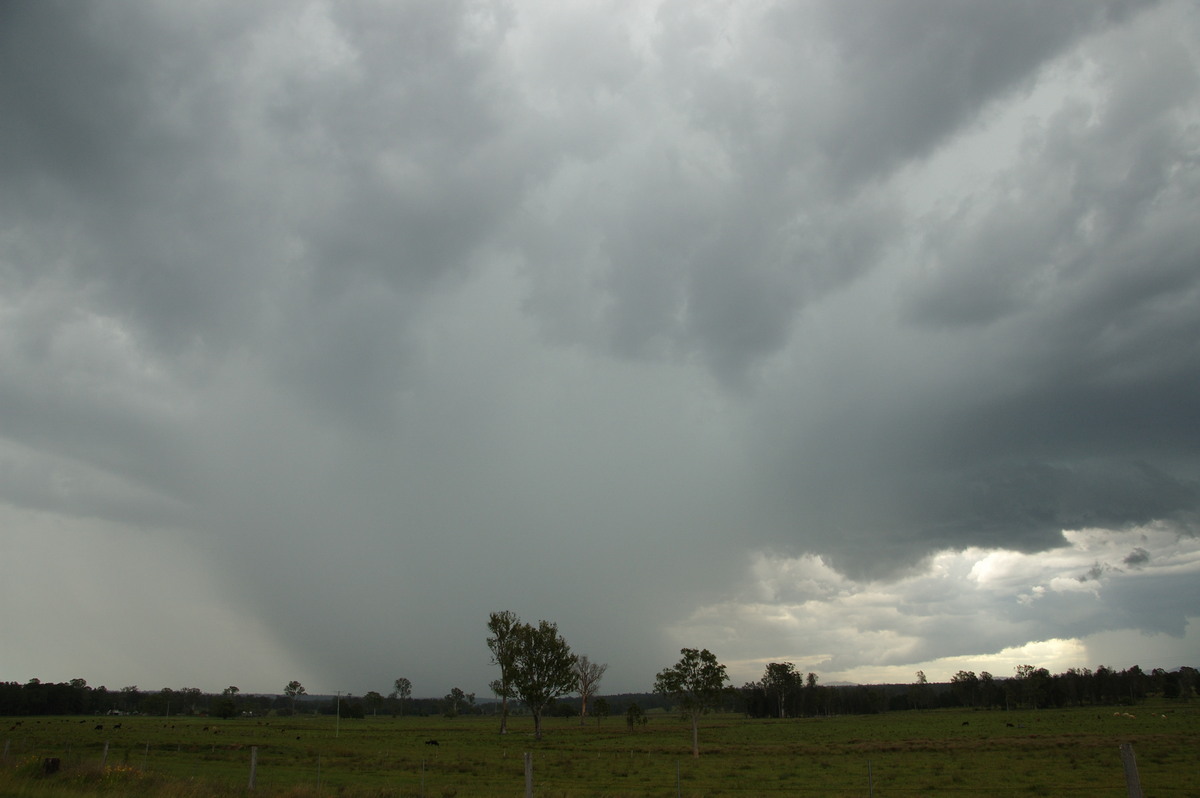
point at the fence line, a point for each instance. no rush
(50, 764)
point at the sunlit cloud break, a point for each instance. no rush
(976, 609)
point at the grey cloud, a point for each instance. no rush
(362, 301)
(770, 231)
(920, 72)
(1043, 376)
(1137, 558)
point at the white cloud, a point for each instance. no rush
(960, 610)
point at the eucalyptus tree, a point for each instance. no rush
(373, 699)
(293, 690)
(542, 668)
(502, 642)
(781, 679)
(455, 701)
(696, 683)
(402, 692)
(588, 675)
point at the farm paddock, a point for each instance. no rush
(1068, 752)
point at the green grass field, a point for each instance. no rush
(967, 753)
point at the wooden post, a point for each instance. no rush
(528, 775)
(104, 759)
(870, 781)
(1133, 785)
(253, 766)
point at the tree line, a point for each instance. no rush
(539, 673)
(784, 692)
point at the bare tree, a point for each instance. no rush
(588, 675)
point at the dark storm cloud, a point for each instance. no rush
(1058, 299)
(364, 301)
(1137, 558)
(918, 72)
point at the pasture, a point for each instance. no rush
(1072, 752)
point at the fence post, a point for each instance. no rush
(1133, 785)
(104, 759)
(870, 781)
(253, 766)
(528, 775)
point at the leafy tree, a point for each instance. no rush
(542, 668)
(130, 698)
(600, 709)
(293, 691)
(455, 700)
(402, 692)
(810, 694)
(634, 716)
(224, 707)
(990, 692)
(191, 698)
(373, 699)
(965, 685)
(780, 679)
(696, 683)
(753, 699)
(351, 708)
(160, 703)
(920, 692)
(587, 675)
(1188, 678)
(1039, 687)
(503, 626)
(1031, 686)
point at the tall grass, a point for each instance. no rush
(958, 753)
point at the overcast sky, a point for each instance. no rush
(861, 335)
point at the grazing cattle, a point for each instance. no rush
(99, 727)
(116, 725)
(431, 742)
(966, 723)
